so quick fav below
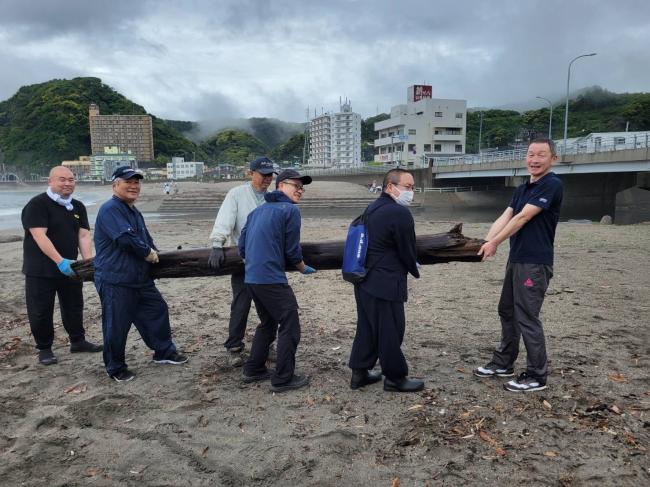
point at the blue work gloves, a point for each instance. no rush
(65, 267)
(308, 270)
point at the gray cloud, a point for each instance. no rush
(207, 60)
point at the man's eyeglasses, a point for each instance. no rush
(299, 187)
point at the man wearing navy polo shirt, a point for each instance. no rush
(529, 221)
(125, 252)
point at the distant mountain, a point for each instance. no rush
(45, 123)
(233, 147)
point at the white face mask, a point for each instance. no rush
(404, 198)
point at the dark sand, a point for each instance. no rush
(198, 425)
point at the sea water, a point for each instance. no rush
(12, 202)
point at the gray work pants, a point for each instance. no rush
(524, 287)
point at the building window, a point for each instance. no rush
(437, 147)
(619, 140)
(459, 147)
(411, 147)
(459, 115)
(412, 132)
(427, 147)
(438, 114)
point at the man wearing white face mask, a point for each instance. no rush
(381, 295)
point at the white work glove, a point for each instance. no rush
(152, 258)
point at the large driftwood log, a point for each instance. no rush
(431, 249)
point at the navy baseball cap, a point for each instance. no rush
(292, 174)
(126, 172)
(262, 165)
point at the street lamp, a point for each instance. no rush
(566, 109)
(550, 117)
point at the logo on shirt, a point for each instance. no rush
(543, 200)
(76, 216)
(528, 283)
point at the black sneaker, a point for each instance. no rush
(525, 383)
(47, 357)
(123, 375)
(236, 349)
(247, 379)
(491, 370)
(174, 359)
(85, 347)
(296, 382)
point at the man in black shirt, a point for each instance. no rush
(56, 227)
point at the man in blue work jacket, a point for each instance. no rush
(270, 242)
(125, 252)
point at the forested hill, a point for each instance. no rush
(46, 123)
(594, 110)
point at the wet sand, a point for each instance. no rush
(197, 424)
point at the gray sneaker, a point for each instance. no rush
(236, 359)
(491, 370)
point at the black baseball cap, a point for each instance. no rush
(126, 172)
(292, 174)
(262, 165)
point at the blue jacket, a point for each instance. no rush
(270, 240)
(122, 241)
(391, 250)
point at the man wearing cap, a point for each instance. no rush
(56, 228)
(231, 218)
(125, 252)
(269, 243)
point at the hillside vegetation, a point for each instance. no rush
(46, 123)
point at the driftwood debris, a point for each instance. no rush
(431, 249)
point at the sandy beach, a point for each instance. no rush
(198, 425)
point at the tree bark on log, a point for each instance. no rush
(431, 249)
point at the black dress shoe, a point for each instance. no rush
(403, 385)
(46, 357)
(362, 377)
(85, 347)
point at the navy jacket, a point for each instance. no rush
(391, 250)
(122, 241)
(270, 240)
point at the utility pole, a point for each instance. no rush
(480, 133)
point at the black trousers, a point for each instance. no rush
(380, 332)
(276, 305)
(239, 309)
(39, 297)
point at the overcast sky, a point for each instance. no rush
(202, 60)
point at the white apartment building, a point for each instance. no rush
(424, 125)
(179, 168)
(335, 138)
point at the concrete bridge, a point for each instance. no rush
(615, 183)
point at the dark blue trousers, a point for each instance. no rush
(276, 306)
(239, 309)
(380, 332)
(143, 307)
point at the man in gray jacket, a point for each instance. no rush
(231, 218)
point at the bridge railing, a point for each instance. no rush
(459, 189)
(586, 145)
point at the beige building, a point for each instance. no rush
(80, 168)
(131, 133)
